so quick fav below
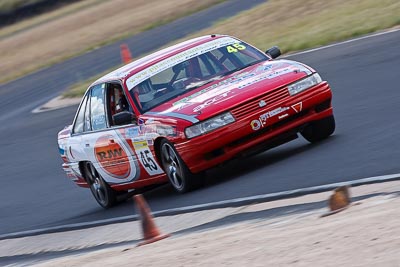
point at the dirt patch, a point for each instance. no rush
(84, 29)
(365, 234)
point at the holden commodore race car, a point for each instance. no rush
(173, 114)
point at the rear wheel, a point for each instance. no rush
(102, 192)
(178, 173)
(319, 130)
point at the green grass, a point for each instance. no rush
(299, 25)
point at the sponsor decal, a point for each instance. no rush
(263, 77)
(211, 101)
(132, 132)
(112, 157)
(274, 112)
(262, 120)
(298, 107)
(146, 158)
(283, 116)
(264, 67)
(255, 125)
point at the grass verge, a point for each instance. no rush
(294, 25)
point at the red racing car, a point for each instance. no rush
(180, 111)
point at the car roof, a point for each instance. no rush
(141, 63)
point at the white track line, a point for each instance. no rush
(344, 42)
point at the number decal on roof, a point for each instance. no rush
(235, 47)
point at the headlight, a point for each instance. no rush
(304, 84)
(209, 125)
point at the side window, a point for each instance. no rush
(97, 111)
(80, 118)
(117, 103)
(87, 126)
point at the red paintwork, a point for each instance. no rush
(209, 150)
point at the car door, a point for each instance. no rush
(137, 138)
(104, 147)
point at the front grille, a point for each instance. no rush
(253, 105)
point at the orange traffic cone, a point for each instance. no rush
(150, 231)
(125, 54)
(339, 200)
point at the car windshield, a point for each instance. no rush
(191, 72)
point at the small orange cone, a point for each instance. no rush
(339, 200)
(150, 231)
(125, 54)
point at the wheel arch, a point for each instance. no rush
(157, 148)
(82, 169)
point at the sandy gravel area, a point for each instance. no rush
(365, 234)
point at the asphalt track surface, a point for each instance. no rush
(35, 192)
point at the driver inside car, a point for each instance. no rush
(144, 92)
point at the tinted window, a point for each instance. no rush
(97, 111)
(80, 118)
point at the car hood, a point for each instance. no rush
(232, 90)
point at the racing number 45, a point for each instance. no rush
(235, 47)
(147, 160)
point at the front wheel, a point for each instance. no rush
(178, 173)
(319, 130)
(102, 192)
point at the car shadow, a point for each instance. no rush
(236, 168)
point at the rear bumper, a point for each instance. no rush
(73, 172)
(246, 136)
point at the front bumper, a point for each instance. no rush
(277, 124)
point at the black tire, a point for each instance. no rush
(179, 176)
(102, 192)
(319, 130)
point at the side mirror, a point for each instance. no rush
(273, 52)
(124, 117)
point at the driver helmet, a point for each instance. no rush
(144, 90)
